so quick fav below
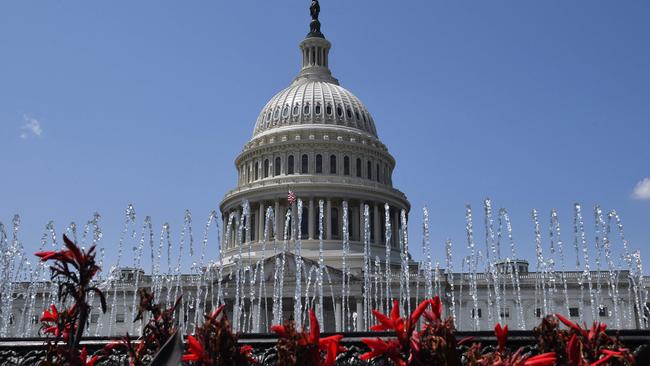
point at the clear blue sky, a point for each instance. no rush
(536, 104)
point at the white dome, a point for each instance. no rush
(314, 102)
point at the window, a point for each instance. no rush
(94, 318)
(328, 109)
(305, 164)
(334, 217)
(119, 318)
(339, 111)
(476, 313)
(346, 165)
(357, 115)
(317, 108)
(319, 163)
(377, 172)
(285, 111)
(257, 170)
(349, 113)
(505, 312)
(268, 116)
(538, 312)
(306, 109)
(369, 167)
(35, 319)
(332, 164)
(278, 166)
(603, 312)
(266, 168)
(304, 224)
(290, 165)
(358, 167)
(574, 312)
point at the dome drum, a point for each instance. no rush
(318, 140)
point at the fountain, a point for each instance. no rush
(343, 293)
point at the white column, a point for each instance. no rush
(328, 219)
(359, 314)
(278, 227)
(311, 219)
(337, 315)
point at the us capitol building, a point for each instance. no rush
(318, 140)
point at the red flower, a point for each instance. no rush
(330, 345)
(50, 316)
(574, 351)
(571, 325)
(85, 360)
(502, 336)
(196, 350)
(216, 313)
(404, 329)
(545, 359)
(379, 347)
(280, 330)
(436, 310)
(246, 351)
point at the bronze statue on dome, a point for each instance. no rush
(314, 9)
(314, 26)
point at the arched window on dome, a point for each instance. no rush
(349, 113)
(278, 166)
(290, 165)
(369, 169)
(334, 218)
(332, 164)
(328, 109)
(346, 165)
(277, 113)
(304, 224)
(268, 116)
(266, 168)
(319, 163)
(359, 167)
(356, 114)
(317, 109)
(339, 111)
(377, 172)
(257, 170)
(304, 169)
(296, 109)
(306, 109)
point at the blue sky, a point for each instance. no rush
(535, 104)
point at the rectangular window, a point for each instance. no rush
(119, 318)
(538, 312)
(477, 313)
(603, 312)
(505, 312)
(94, 318)
(574, 312)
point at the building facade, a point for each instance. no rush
(317, 142)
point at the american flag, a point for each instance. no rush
(291, 197)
